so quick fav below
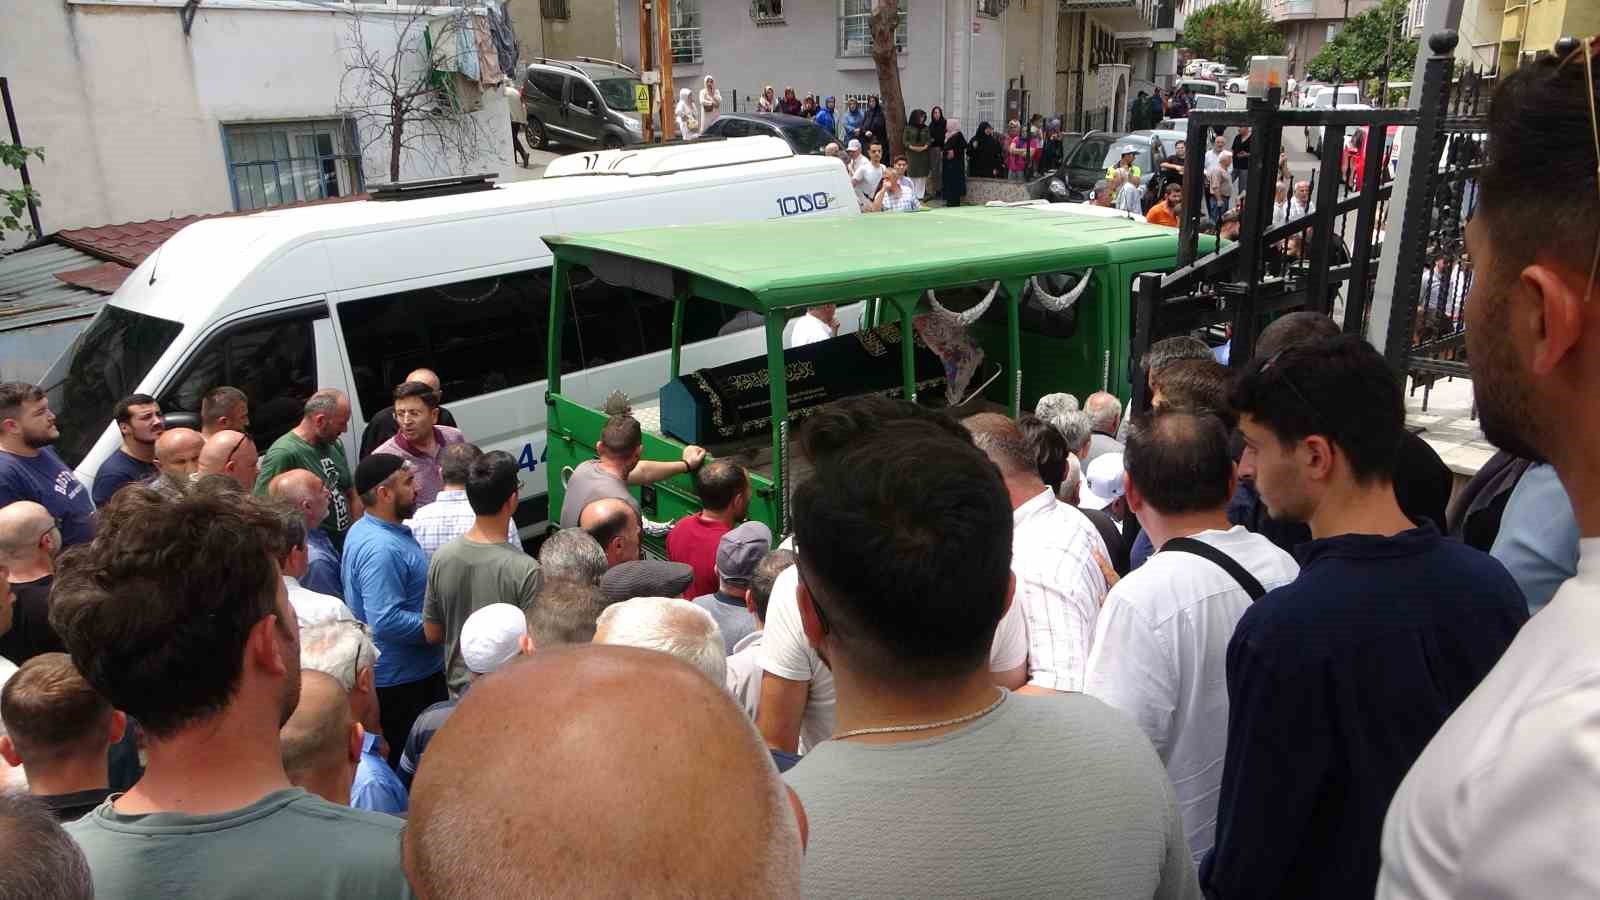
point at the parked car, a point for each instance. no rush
(804, 135)
(584, 103)
(1087, 163)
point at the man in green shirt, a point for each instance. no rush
(314, 445)
(177, 615)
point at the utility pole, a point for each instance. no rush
(664, 51)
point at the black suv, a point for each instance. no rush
(584, 103)
(804, 136)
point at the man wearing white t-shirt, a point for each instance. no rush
(1059, 584)
(818, 324)
(1505, 800)
(796, 710)
(1161, 641)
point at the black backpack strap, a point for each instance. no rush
(1222, 560)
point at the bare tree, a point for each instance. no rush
(885, 19)
(402, 95)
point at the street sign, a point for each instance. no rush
(641, 98)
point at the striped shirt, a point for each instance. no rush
(447, 518)
(1059, 588)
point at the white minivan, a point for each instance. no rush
(355, 295)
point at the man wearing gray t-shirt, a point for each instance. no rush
(176, 614)
(936, 781)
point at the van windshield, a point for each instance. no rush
(105, 364)
(617, 92)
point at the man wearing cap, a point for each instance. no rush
(479, 568)
(725, 497)
(1126, 163)
(738, 554)
(385, 576)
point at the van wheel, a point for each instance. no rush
(536, 134)
(611, 142)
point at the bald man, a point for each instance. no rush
(305, 491)
(321, 742)
(615, 527)
(29, 542)
(232, 454)
(382, 426)
(652, 758)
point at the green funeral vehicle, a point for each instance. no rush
(972, 308)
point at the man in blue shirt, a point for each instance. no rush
(30, 470)
(1338, 680)
(385, 577)
(138, 417)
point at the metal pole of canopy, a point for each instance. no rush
(906, 305)
(678, 304)
(1014, 343)
(779, 388)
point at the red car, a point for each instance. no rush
(1354, 160)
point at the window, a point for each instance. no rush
(767, 12)
(482, 335)
(273, 360)
(855, 28)
(547, 85)
(686, 31)
(985, 105)
(104, 364)
(554, 9)
(289, 162)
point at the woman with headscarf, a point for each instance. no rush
(710, 103)
(825, 117)
(790, 104)
(854, 118)
(768, 101)
(875, 128)
(936, 132)
(953, 178)
(917, 141)
(686, 115)
(988, 159)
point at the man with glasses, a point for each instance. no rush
(29, 542)
(232, 454)
(30, 470)
(1503, 801)
(1337, 680)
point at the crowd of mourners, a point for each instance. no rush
(1233, 645)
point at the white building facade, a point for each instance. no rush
(141, 117)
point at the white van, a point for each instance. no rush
(355, 295)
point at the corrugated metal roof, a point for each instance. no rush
(31, 294)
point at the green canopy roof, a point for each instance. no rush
(810, 260)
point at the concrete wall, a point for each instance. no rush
(802, 52)
(130, 111)
(590, 29)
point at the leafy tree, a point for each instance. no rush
(1368, 42)
(1232, 32)
(14, 202)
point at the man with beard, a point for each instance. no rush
(1338, 680)
(385, 576)
(138, 417)
(314, 445)
(30, 470)
(176, 615)
(1504, 799)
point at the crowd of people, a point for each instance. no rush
(1227, 646)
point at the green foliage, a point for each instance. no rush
(1359, 51)
(13, 203)
(1232, 32)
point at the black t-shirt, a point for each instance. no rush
(30, 633)
(382, 427)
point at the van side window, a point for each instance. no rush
(273, 361)
(483, 335)
(615, 323)
(546, 83)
